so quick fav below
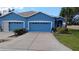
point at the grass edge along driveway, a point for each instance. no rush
(69, 40)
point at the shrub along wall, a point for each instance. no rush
(20, 31)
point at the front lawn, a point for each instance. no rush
(71, 40)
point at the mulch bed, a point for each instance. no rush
(3, 40)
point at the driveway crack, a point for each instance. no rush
(33, 41)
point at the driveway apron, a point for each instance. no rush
(35, 42)
(21, 43)
(47, 42)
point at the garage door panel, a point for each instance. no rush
(15, 25)
(40, 27)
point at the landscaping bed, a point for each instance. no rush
(3, 40)
(71, 40)
(19, 32)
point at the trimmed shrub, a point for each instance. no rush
(20, 31)
(62, 30)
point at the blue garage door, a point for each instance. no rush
(40, 27)
(15, 25)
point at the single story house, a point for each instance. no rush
(33, 22)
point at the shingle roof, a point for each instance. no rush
(27, 14)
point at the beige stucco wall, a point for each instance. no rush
(5, 26)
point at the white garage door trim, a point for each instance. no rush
(5, 25)
(40, 22)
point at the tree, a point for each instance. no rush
(69, 12)
(10, 10)
(0, 14)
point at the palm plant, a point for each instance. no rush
(67, 13)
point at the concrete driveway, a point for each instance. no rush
(35, 42)
(4, 35)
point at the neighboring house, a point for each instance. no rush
(75, 19)
(32, 21)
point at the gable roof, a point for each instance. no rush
(42, 13)
(31, 13)
(28, 14)
(10, 13)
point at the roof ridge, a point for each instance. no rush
(28, 13)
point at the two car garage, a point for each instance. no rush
(33, 26)
(40, 26)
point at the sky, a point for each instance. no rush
(54, 11)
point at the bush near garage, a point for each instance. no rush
(20, 31)
(54, 29)
(62, 30)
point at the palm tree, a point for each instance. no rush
(69, 12)
(66, 12)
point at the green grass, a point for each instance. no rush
(70, 40)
